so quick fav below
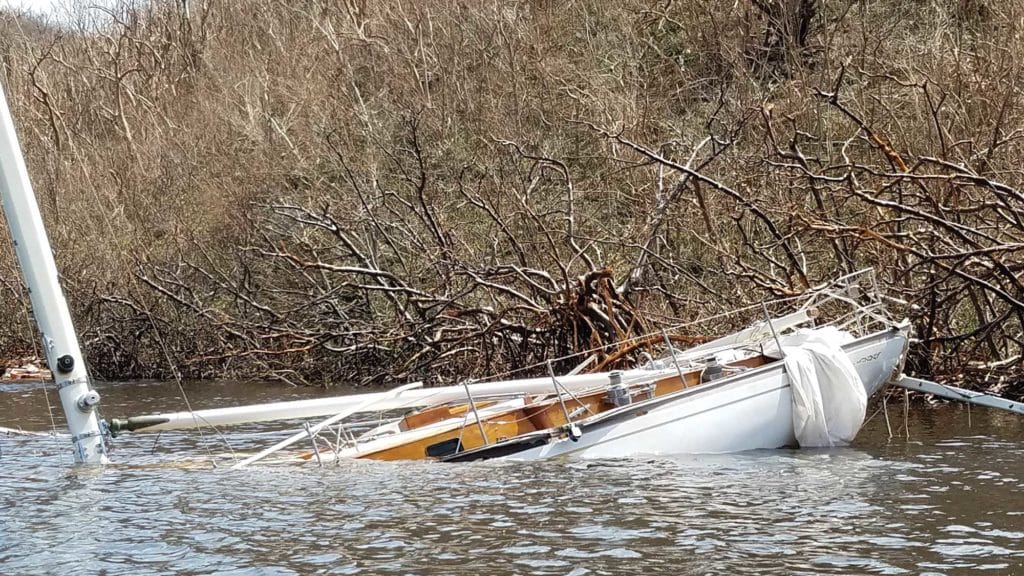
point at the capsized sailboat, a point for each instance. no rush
(801, 378)
(746, 390)
(752, 409)
(740, 393)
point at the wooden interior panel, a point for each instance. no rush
(543, 413)
(497, 427)
(549, 414)
(434, 414)
(752, 362)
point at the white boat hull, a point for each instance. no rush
(749, 411)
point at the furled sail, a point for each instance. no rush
(829, 400)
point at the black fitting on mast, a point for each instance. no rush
(65, 363)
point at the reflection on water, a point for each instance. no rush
(948, 501)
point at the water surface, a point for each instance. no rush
(948, 500)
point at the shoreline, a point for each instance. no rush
(24, 369)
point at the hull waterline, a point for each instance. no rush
(749, 411)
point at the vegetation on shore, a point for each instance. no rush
(350, 191)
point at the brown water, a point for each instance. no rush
(947, 501)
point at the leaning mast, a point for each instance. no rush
(60, 341)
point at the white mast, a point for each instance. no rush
(60, 341)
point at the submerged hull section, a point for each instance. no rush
(749, 411)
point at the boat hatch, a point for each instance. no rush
(444, 448)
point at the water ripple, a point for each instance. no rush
(947, 502)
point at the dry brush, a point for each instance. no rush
(346, 191)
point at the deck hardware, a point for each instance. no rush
(66, 363)
(312, 440)
(88, 401)
(775, 334)
(472, 406)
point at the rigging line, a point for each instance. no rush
(825, 292)
(642, 337)
(885, 409)
(476, 414)
(561, 398)
(156, 441)
(872, 416)
(53, 423)
(564, 390)
(906, 413)
(122, 258)
(462, 430)
(37, 354)
(184, 396)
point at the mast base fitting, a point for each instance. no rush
(66, 363)
(88, 401)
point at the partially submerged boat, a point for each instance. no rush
(733, 395)
(800, 378)
(757, 388)
(749, 410)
